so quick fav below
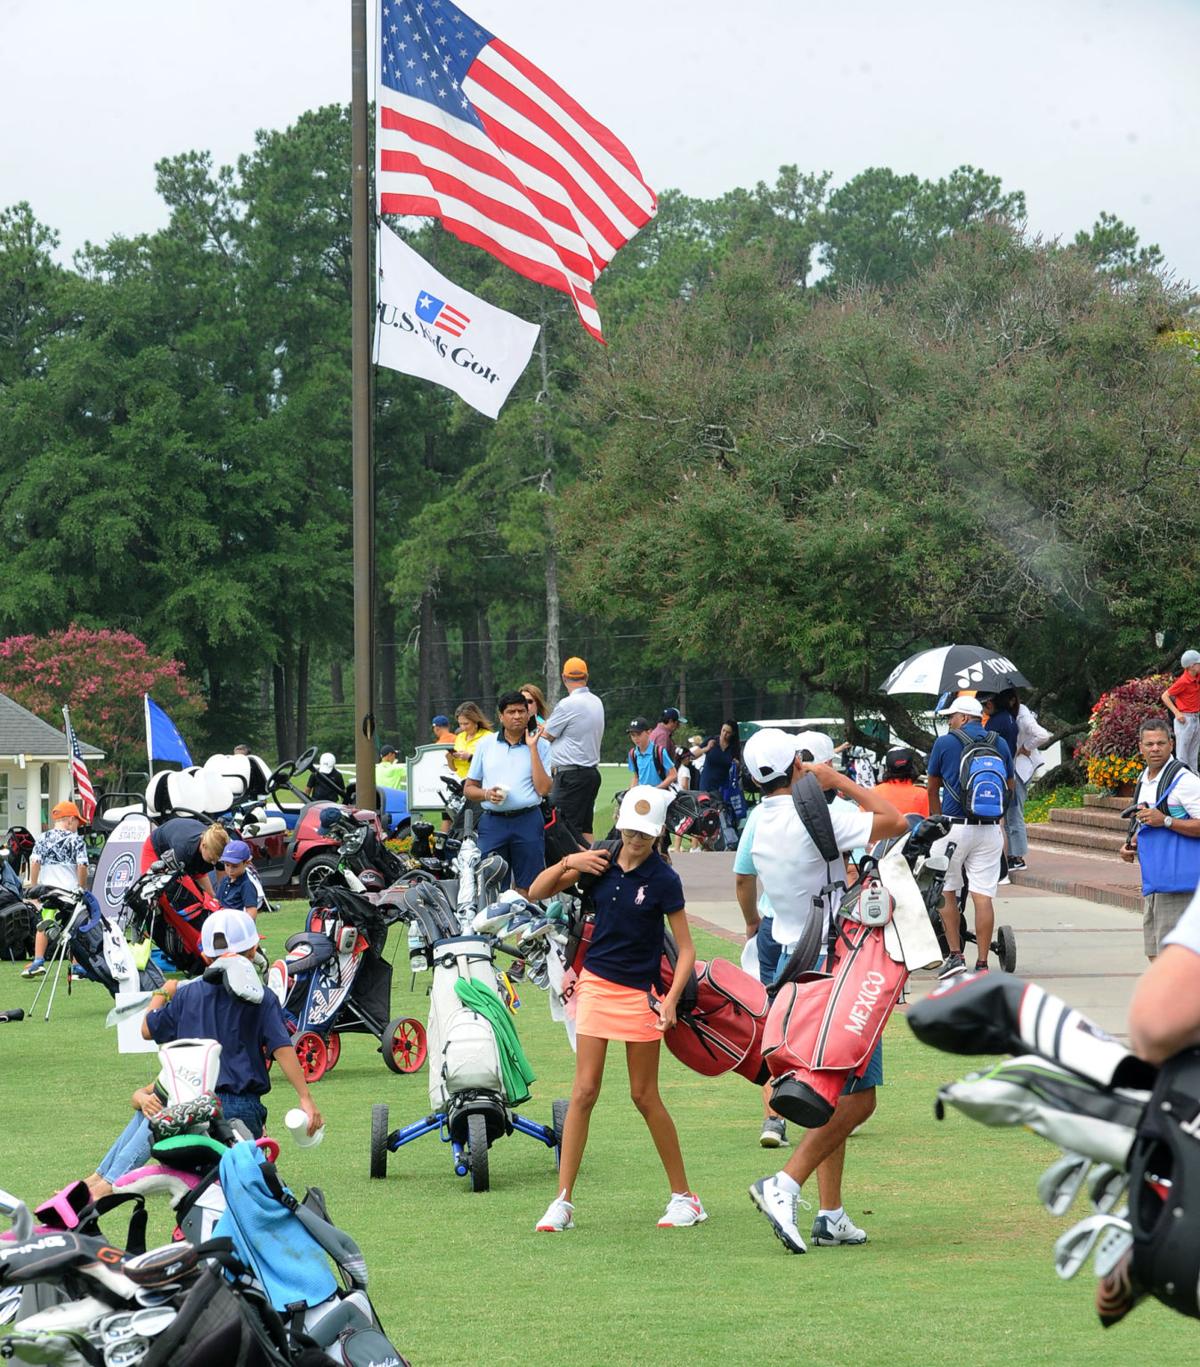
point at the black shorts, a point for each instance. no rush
(574, 794)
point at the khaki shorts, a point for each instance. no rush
(1160, 912)
(977, 851)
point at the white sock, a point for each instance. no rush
(833, 1216)
(788, 1183)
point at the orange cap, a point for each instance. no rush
(65, 809)
(575, 668)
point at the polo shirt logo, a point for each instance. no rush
(641, 896)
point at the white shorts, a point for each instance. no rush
(977, 851)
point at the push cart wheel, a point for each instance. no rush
(1006, 949)
(477, 1152)
(558, 1112)
(333, 1049)
(379, 1139)
(403, 1045)
(313, 1056)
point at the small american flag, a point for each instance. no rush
(471, 132)
(430, 309)
(80, 780)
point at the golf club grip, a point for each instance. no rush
(16, 1014)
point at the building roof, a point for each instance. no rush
(21, 733)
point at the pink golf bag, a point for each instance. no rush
(721, 1018)
(822, 1030)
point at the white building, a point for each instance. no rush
(35, 771)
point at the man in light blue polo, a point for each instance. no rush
(575, 729)
(510, 774)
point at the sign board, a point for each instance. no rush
(426, 769)
(129, 1028)
(120, 864)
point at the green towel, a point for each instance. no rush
(514, 1066)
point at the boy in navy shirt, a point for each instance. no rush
(247, 1031)
(239, 888)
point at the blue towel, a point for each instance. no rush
(268, 1237)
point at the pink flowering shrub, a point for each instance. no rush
(101, 676)
(1111, 748)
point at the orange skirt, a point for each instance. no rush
(607, 1010)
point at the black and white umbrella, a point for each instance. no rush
(954, 669)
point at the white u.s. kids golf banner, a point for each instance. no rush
(426, 325)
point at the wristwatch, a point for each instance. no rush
(1168, 821)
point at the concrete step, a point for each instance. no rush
(1096, 818)
(1114, 804)
(1077, 837)
(1074, 881)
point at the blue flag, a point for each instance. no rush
(163, 740)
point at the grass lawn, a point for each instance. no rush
(958, 1267)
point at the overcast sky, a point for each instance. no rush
(1083, 104)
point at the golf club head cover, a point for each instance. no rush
(1072, 1112)
(238, 976)
(1164, 1176)
(995, 1013)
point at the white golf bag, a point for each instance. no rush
(462, 1046)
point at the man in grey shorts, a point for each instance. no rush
(575, 730)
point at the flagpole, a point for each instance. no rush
(70, 767)
(363, 503)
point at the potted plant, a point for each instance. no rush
(1111, 748)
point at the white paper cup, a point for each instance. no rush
(297, 1126)
(501, 792)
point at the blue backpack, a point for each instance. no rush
(982, 777)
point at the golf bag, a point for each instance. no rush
(1086, 1091)
(171, 908)
(340, 980)
(698, 816)
(822, 1030)
(721, 1016)
(463, 1055)
(104, 955)
(18, 921)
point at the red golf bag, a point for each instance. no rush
(721, 1017)
(173, 917)
(822, 1031)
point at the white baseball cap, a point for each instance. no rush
(644, 809)
(818, 745)
(965, 706)
(236, 930)
(770, 754)
(325, 763)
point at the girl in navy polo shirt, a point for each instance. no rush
(633, 889)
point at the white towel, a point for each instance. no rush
(908, 938)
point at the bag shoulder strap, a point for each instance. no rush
(1172, 772)
(661, 763)
(808, 798)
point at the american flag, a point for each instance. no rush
(80, 780)
(472, 133)
(445, 316)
